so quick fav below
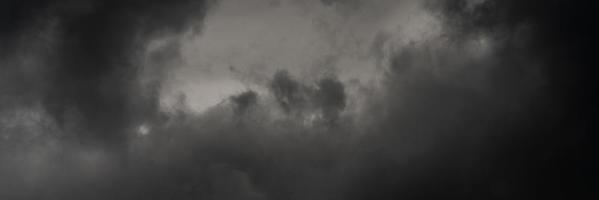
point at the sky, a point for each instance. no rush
(297, 99)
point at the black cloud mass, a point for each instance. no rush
(463, 99)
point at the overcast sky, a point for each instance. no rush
(296, 99)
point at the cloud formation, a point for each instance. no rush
(279, 99)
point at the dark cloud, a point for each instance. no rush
(244, 101)
(500, 106)
(94, 69)
(331, 98)
(320, 101)
(497, 127)
(287, 91)
(559, 39)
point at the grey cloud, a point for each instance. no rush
(321, 101)
(444, 122)
(244, 101)
(90, 64)
(331, 97)
(287, 91)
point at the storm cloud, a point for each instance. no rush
(282, 99)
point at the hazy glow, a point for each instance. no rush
(244, 42)
(200, 95)
(143, 129)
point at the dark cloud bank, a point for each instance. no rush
(518, 123)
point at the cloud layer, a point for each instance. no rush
(279, 99)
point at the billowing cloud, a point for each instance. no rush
(282, 99)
